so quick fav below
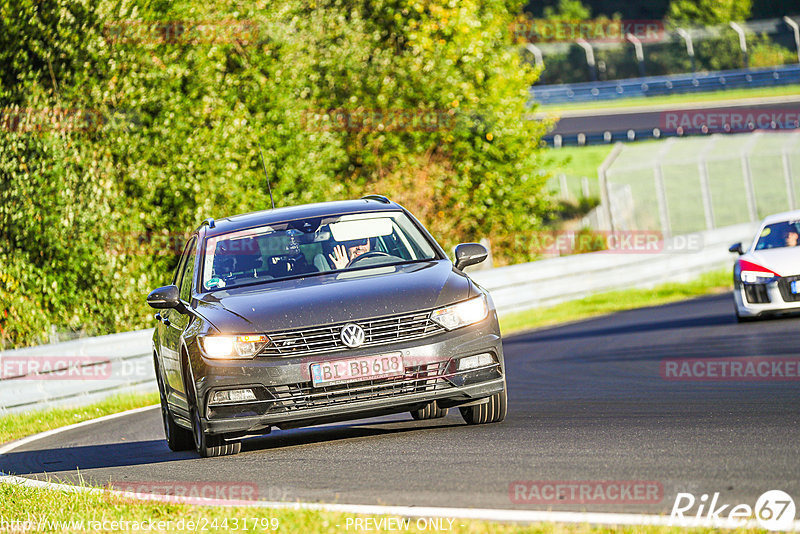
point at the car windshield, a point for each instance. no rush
(311, 246)
(779, 235)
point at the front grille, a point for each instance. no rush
(756, 293)
(327, 338)
(785, 286)
(418, 379)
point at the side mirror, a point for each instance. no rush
(164, 297)
(469, 254)
(737, 248)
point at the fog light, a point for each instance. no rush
(232, 395)
(479, 360)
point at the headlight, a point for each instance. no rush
(462, 314)
(243, 346)
(756, 277)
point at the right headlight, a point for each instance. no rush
(462, 314)
(757, 277)
(228, 347)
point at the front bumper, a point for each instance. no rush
(753, 300)
(286, 397)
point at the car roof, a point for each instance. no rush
(303, 211)
(783, 216)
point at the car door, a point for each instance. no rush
(174, 325)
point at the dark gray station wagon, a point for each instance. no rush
(319, 313)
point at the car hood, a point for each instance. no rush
(785, 261)
(335, 297)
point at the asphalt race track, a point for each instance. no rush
(587, 403)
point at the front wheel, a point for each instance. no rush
(430, 411)
(493, 411)
(206, 445)
(178, 438)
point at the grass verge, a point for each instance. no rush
(687, 98)
(19, 425)
(580, 160)
(612, 301)
(49, 510)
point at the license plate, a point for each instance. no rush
(357, 369)
(794, 287)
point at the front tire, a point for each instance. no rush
(206, 445)
(178, 438)
(430, 411)
(493, 411)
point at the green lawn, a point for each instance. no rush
(613, 301)
(680, 157)
(95, 512)
(731, 94)
(18, 425)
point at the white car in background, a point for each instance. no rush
(766, 276)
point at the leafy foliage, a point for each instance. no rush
(709, 11)
(167, 104)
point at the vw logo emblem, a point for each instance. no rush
(352, 335)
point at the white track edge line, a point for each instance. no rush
(486, 514)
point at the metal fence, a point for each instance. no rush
(688, 185)
(650, 52)
(666, 85)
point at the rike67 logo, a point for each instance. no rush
(774, 510)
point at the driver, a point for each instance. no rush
(790, 238)
(342, 256)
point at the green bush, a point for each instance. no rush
(164, 122)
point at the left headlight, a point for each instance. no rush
(462, 314)
(224, 347)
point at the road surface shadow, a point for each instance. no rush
(56, 460)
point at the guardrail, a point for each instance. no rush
(665, 85)
(117, 363)
(531, 285)
(76, 372)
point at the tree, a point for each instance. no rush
(432, 97)
(709, 12)
(568, 10)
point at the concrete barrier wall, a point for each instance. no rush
(85, 370)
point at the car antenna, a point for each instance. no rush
(266, 175)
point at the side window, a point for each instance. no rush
(176, 278)
(187, 276)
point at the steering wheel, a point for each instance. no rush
(371, 254)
